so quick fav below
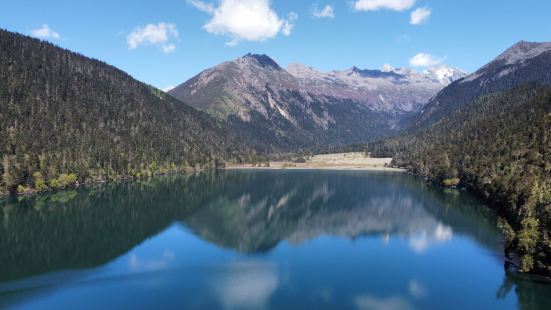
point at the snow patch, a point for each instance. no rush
(444, 74)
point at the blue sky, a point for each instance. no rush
(185, 37)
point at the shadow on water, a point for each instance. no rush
(246, 212)
(531, 293)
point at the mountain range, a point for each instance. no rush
(304, 107)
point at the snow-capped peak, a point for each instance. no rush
(405, 71)
(387, 68)
(524, 50)
(444, 74)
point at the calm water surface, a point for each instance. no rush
(258, 239)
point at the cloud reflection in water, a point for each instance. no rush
(247, 285)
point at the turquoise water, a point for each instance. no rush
(258, 240)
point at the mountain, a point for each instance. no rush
(391, 90)
(301, 107)
(444, 74)
(491, 133)
(522, 63)
(231, 88)
(65, 117)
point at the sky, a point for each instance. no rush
(164, 43)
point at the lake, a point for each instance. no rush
(262, 239)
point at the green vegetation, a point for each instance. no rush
(63, 181)
(65, 118)
(498, 146)
(451, 182)
(39, 183)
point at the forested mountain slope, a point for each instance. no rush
(523, 62)
(491, 133)
(65, 117)
(498, 146)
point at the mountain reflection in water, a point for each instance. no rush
(258, 239)
(308, 206)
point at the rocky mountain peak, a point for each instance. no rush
(523, 51)
(299, 70)
(355, 70)
(387, 68)
(366, 73)
(511, 60)
(260, 60)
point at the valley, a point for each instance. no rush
(334, 161)
(487, 132)
(268, 154)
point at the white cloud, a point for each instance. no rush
(168, 88)
(169, 48)
(403, 38)
(232, 43)
(288, 23)
(420, 16)
(45, 32)
(425, 60)
(326, 12)
(245, 20)
(374, 5)
(202, 6)
(151, 34)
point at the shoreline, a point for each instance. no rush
(336, 161)
(31, 192)
(341, 168)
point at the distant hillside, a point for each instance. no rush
(303, 108)
(491, 133)
(62, 113)
(524, 62)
